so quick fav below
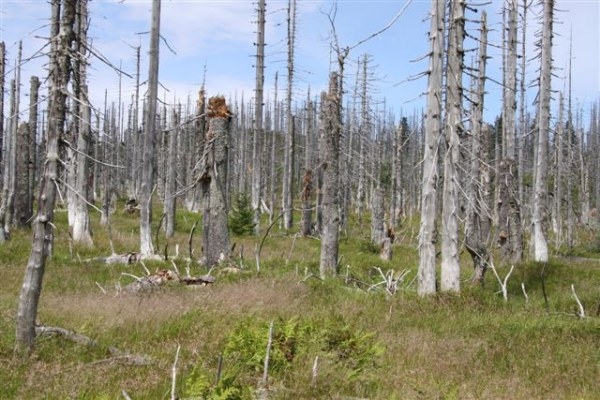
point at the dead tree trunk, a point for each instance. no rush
(450, 271)
(82, 231)
(169, 206)
(540, 203)
(477, 225)
(213, 178)
(149, 156)
(33, 148)
(329, 159)
(21, 207)
(288, 157)
(427, 234)
(258, 117)
(43, 227)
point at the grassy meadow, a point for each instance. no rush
(339, 339)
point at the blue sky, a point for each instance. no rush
(220, 36)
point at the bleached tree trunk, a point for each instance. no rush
(8, 178)
(149, 143)
(257, 143)
(397, 195)
(43, 227)
(426, 282)
(82, 231)
(557, 209)
(213, 178)
(169, 205)
(510, 235)
(450, 271)
(329, 150)
(33, 148)
(2, 72)
(477, 224)
(540, 203)
(288, 156)
(523, 128)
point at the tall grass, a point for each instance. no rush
(333, 339)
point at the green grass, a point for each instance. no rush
(367, 344)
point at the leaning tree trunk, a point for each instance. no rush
(329, 160)
(33, 149)
(43, 227)
(538, 218)
(149, 155)
(213, 178)
(427, 233)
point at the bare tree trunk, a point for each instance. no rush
(427, 233)
(308, 179)
(169, 205)
(33, 149)
(377, 217)
(557, 209)
(329, 160)
(2, 72)
(212, 180)
(21, 176)
(288, 157)
(258, 116)
(43, 227)
(450, 271)
(146, 246)
(539, 215)
(510, 235)
(477, 225)
(81, 226)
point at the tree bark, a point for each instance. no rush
(450, 271)
(329, 159)
(43, 227)
(258, 117)
(539, 215)
(477, 225)
(169, 206)
(149, 156)
(215, 237)
(426, 283)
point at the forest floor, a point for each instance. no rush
(347, 338)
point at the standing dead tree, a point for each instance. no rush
(149, 155)
(43, 227)
(213, 178)
(539, 214)
(427, 234)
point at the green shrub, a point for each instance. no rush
(241, 217)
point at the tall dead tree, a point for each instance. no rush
(2, 72)
(426, 283)
(540, 201)
(450, 271)
(510, 234)
(288, 155)
(478, 219)
(34, 89)
(308, 178)
(329, 153)
(43, 226)
(258, 116)
(149, 143)
(169, 206)
(213, 178)
(81, 227)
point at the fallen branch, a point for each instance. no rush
(581, 313)
(174, 374)
(87, 341)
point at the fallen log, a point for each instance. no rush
(83, 340)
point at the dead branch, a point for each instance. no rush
(87, 341)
